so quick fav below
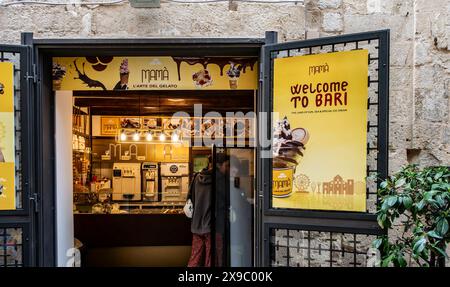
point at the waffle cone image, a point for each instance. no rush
(124, 79)
(56, 85)
(233, 83)
(289, 146)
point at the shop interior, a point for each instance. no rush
(133, 162)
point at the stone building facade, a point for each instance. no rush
(420, 45)
(420, 48)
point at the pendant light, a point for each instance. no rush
(123, 136)
(136, 136)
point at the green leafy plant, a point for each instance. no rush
(415, 202)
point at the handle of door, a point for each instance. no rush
(34, 199)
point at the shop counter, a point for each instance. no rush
(111, 239)
(108, 230)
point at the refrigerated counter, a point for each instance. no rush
(133, 239)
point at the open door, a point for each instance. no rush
(321, 99)
(233, 207)
(18, 203)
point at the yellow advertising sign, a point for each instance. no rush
(155, 73)
(320, 134)
(7, 156)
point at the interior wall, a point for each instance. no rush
(64, 178)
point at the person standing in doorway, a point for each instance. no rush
(221, 209)
(200, 194)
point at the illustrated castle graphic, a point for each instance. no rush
(338, 186)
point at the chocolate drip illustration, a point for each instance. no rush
(88, 81)
(242, 63)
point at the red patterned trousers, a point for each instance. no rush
(201, 250)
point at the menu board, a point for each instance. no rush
(7, 153)
(320, 131)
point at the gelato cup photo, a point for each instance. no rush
(288, 148)
(282, 181)
(202, 78)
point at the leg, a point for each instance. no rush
(196, 252)
(208, 250)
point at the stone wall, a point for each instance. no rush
(420, 44)
(419, 79)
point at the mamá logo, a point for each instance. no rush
(282, 181)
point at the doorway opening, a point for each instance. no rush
(127, 149)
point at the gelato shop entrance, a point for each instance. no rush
(148, 133)
(275, 145)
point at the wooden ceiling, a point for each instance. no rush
(164, 102)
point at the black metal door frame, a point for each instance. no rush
(364, 223)
(23, 217)
(43, 105)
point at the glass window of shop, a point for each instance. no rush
(142, 127)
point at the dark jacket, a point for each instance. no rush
(200, 194)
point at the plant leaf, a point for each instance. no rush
(419, 246)
(442, 226)
(377, 243)
(391, 200)
(434, 234)
(383, 184)
(407, 202)
(401, 261)
(421, 204)
(387, 260)
(442, 252)
(438, 175)
(381, 218)
(400, 182)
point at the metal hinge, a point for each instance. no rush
(33, 75)
(34, 198)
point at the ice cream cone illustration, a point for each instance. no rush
(124, 74)
(233, 75)
(58, 74)
(288, 148)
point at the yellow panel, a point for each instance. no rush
(326, 95)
